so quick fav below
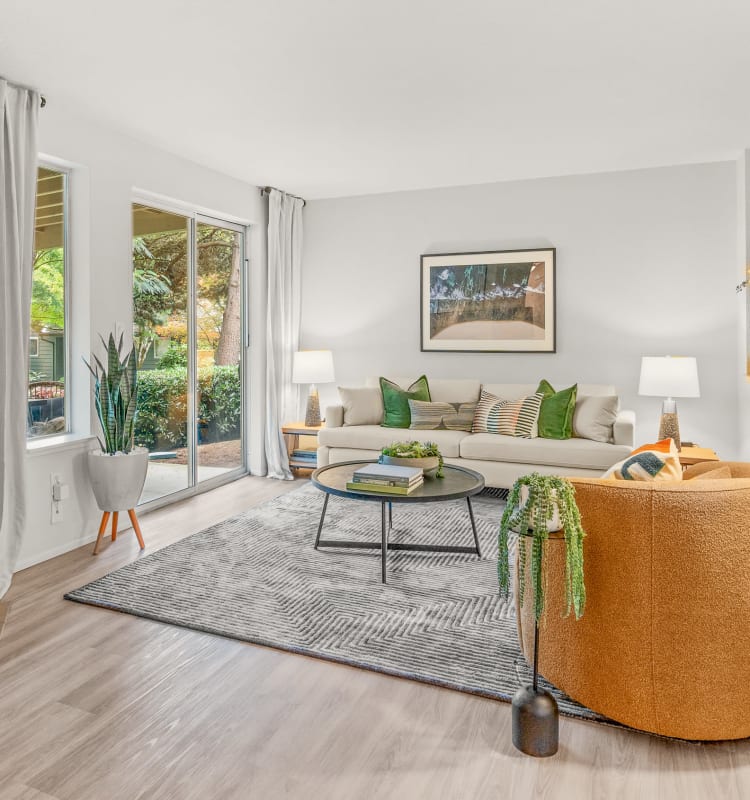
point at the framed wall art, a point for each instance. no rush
(495, 302)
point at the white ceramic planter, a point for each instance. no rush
(553, 524)
(118, 480)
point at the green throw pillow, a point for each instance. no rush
(556, 413)
(396, 401)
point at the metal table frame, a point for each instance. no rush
(386, 523)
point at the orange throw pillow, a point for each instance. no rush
(663, 446)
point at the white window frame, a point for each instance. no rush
(65, 172)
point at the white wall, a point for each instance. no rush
(107, 168)
(646, 265)
(742, 300)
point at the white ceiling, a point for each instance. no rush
(338, 97)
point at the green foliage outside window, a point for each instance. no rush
(162, 406)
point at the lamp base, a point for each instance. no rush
(312, 412)
(536, 722)
(669, 426)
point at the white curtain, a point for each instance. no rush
(19, 113)
(284, 279)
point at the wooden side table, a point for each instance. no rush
(696, 455)
(292, 431)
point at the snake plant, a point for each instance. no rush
(547, 494)
(115, 395)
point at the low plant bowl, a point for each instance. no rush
(429, 465)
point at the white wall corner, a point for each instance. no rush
(743, 304)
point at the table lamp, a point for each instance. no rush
(312, 366)
(669, 377)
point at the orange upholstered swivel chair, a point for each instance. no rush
(664, 644)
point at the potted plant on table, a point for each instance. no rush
(118, 471)
(536, 506)
(414, 454)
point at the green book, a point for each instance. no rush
(379, 489)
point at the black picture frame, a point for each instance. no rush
(498, 301)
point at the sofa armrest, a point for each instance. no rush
(624, 427)
(334, 416)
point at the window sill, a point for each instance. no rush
(53, 444)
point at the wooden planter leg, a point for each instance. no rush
(137, 528)
(102, 528)
(115, 515)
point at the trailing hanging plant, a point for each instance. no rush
(415, 449)
(546, 495)
(116, 395)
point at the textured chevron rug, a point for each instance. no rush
(256, 577)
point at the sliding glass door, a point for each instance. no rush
(188, 279)
(218, 316)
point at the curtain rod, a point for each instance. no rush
(267, 190)
(42, 98)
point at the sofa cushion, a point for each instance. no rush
(594, 417)
(441, 416)
(375, 437)
(510, 417)
(442, 390)
(580, 453)
(512, 391)
(445, 390)
(716, 474)
(556, 413)
(396, 401)
(363, 405)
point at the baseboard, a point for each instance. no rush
(53, 552)
(61, 549)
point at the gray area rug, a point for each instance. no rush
(256, 577)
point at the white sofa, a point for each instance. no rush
(501, 459)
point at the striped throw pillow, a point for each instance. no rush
(509, 417)
(441, 416)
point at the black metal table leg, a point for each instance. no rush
(322, 518)
(384, 543)
(473, 526)
(390, 515)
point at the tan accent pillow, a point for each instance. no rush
(363, 405)
(717, 474)
(595, 417)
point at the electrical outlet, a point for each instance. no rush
(56, 510)
(56, 513)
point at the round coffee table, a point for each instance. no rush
(458, 483)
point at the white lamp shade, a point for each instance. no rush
(669, 376)
(312, 366)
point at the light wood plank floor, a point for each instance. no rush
(96, 705)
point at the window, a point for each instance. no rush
(48, 349)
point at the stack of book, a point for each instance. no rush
(305, 455)
(386, 478)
